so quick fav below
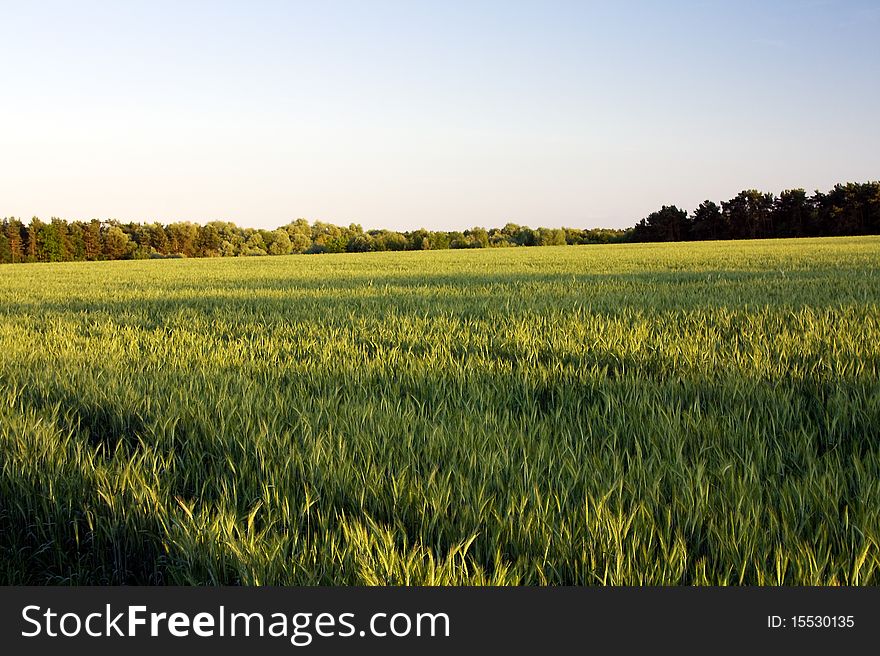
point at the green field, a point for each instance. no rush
(703, 413)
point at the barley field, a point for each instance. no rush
(703, 413)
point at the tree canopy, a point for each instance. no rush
(847, 209)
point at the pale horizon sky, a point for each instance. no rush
(444, 115)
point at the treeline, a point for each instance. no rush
(60, 241)
(848, 209)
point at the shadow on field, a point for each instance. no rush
(464, 294)
(56, 530)
(105, 426)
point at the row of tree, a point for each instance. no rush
(850, 209)
(60, 241)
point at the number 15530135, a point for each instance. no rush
(811, 622)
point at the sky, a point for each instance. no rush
(441, 114)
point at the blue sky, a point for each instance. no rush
(405, 114)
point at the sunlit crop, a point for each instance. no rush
(703, 413)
